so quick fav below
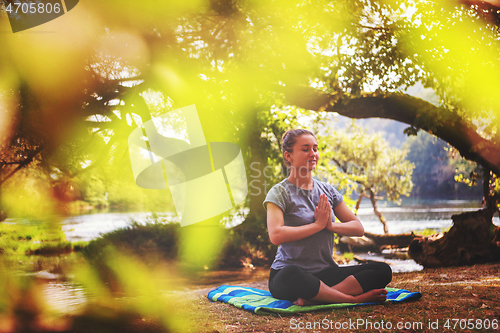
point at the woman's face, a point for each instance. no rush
(304, 155)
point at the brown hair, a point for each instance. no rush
(289, 139)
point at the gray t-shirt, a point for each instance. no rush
(313, 253)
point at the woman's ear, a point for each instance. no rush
(287, 156)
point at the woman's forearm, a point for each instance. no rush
(349, 228)
(286, 234)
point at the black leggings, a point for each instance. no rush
(293, 281)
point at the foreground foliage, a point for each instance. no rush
(235, 59)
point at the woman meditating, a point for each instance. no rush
(301, 221)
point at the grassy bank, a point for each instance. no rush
(448, 294)
(34, 238)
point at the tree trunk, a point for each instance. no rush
(358, 203)
(398, 241)
(472, 239)
(489, 200)
(376, 211)
(376, 243)
(3, 214)
(249, 243)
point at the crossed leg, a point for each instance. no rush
(347, 291)
(351, 284)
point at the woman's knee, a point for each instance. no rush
(384, 272)
(375, 275)
(292, 282)
(292, 275)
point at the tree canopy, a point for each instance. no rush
(112, 66)
(380, 171)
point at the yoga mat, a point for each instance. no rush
(261, 302)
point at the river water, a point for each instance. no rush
(410, 216)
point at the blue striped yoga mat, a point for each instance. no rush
(261, 302)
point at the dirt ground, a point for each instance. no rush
(454, 299)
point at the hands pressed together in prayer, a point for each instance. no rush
(350, 226)
(323, 213)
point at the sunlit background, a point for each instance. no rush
(73, 89)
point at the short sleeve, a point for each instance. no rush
(335, 196)
(276, 195)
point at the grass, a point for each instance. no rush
(34, 238)
(44, 238)
(150, 241)
(431, 231)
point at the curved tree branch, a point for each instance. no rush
(31, 155)
(407, 109)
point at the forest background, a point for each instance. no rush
(76, 169)
(71, 97)
(73, 89)
(253, 70)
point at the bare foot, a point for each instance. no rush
(375, 295)
(303, 302)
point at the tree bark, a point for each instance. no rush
(472, 239)
(358, 202)
(398, 240)
(248, 242)
(376, 243)
(413, 111)
(376, 211)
